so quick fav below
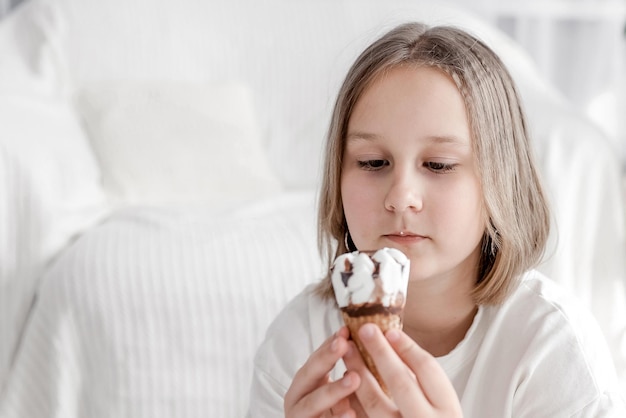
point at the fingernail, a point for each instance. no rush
(334, 344)
(367, 331)
(346, 381)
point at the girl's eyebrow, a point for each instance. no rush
(437, 139)
(449, 139)
(363, 136)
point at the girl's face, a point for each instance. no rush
(409, 179)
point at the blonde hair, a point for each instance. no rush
(518, 221)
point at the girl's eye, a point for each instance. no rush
(373, 165)
(439, 167)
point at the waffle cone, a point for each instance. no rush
(385, 322)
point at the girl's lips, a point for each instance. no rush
(405, 237)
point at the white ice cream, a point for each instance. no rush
(354, 281)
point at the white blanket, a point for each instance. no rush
(145, 314)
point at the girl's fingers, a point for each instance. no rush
(369, 394)
(342, 409)
(310, 390)
(315, 371)
(405, 389)
(356, 406)
(413, 376)
(433, 381)
(326, 398)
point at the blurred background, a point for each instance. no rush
(578, 45)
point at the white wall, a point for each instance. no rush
(579, 45)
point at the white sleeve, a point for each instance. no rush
(286, 347)
(266, 396)
(566, 369)
(304, 324)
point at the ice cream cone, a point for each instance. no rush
(385, 321)
(371, 286)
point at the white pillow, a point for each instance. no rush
(175, 143)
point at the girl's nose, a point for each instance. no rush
(404, 194)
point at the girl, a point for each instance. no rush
(428, 152)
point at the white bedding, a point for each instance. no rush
(139, 318)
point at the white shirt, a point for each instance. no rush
(539, 354)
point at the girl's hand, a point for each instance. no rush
(417, 384)
(312, 394)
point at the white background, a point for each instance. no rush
(579, 45)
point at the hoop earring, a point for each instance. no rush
(347, 240)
